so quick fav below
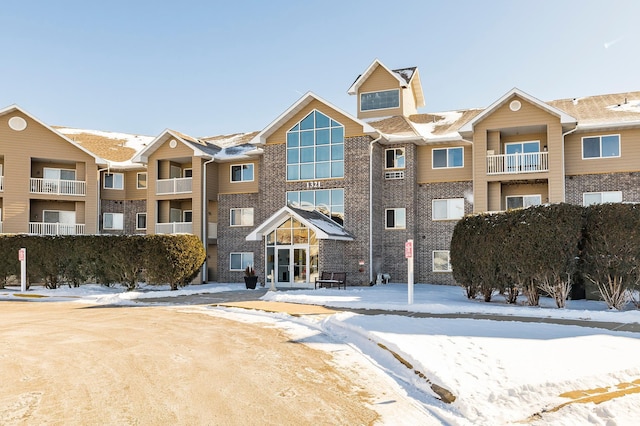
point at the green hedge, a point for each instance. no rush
(547, 248)
(105, 259)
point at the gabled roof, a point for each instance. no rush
(299, 105)
(11, 108)
(200, 148)
(610, 110)
(325, 228)
(403, 75)
(564, 117)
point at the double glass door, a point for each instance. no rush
(290, 265)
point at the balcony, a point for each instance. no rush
(503, 164)
(173, 186)
(42, 228)
(174, 228)
(57, 186)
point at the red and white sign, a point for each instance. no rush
(408, 249)
(21, 254)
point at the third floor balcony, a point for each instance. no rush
(173, 186)
(57, 186)
(529, 162)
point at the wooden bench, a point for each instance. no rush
(329, 279)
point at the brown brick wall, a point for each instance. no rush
(628, 183)
(129, 208)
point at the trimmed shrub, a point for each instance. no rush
(173, 259)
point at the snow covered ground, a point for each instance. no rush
(500, 372)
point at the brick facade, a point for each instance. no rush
(129, 208)
(628, 183)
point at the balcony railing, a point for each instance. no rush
(212, 231)
(58, 186)
(174, 228)
(517, 163)
(42, 228)
(173, 186)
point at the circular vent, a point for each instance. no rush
(173, 143)
(17, 123)
(515, 105)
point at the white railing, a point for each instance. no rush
(174, 228)
(58, 186)
(518, 163)
(173, 186)
(392, 175)
(212, 230)
(42, 228)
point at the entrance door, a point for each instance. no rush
(292, 267)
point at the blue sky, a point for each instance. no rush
(208, 68)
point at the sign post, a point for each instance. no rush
(22, 257)
(408, 253)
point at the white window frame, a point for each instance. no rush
(138, 216)
(601, 156)
(184, 216)
(114, 181)
(246, 213)
(114, 222)
(58, 173)
(450, 206)
(603, 194)
(433, 261)
(242, 172)
(395, 159)
(380, 91)
(246, 259)
(146, 183)
(506, 200)
(187, 173)
(395, 218)
(433, 166)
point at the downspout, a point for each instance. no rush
(371, 207)
(564, 177)
(204, 272)
(99, 200)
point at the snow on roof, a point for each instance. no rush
(428, 130)
(117, 148)
(234, 139)
(237, 151)
(627, 106)
(405, 73)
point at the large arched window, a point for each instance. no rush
(315, 148)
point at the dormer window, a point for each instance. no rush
(385, 99)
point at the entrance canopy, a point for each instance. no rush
(324, 228)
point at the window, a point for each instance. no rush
(242, 173)
(141, 221)
(380, 100)
(113, 221)
(448, 157)
(327, 201)
(59, 216)
(239, 261)
(395, 219)
(601, 146)
(242, 217)
(441, 261)
(520, 201)
(141, 181)
(447, 209)
(113, 181)
(394, 158)
(315, 148)
(187, 173)
(59, 174)
(589, 198)
(187, 216)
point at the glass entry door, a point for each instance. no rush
(292, 266)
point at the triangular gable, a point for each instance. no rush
(200, 148)
(364, 76)
(564, 117)
(324, 227)
(14, 107)
(300, 104)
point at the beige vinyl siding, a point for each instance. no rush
(115, 194)
(511, 190)
(225, 186)
(408, 101)
(351, 128)
(213, 177)
(39, 145)
(518, 125)
(427, 174)
(38, 206)
(131, 191)
(379, 80)
(627, 162)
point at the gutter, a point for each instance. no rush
(371, 206)
(564, 176)
(99, 200)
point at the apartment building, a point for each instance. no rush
(321, 189)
